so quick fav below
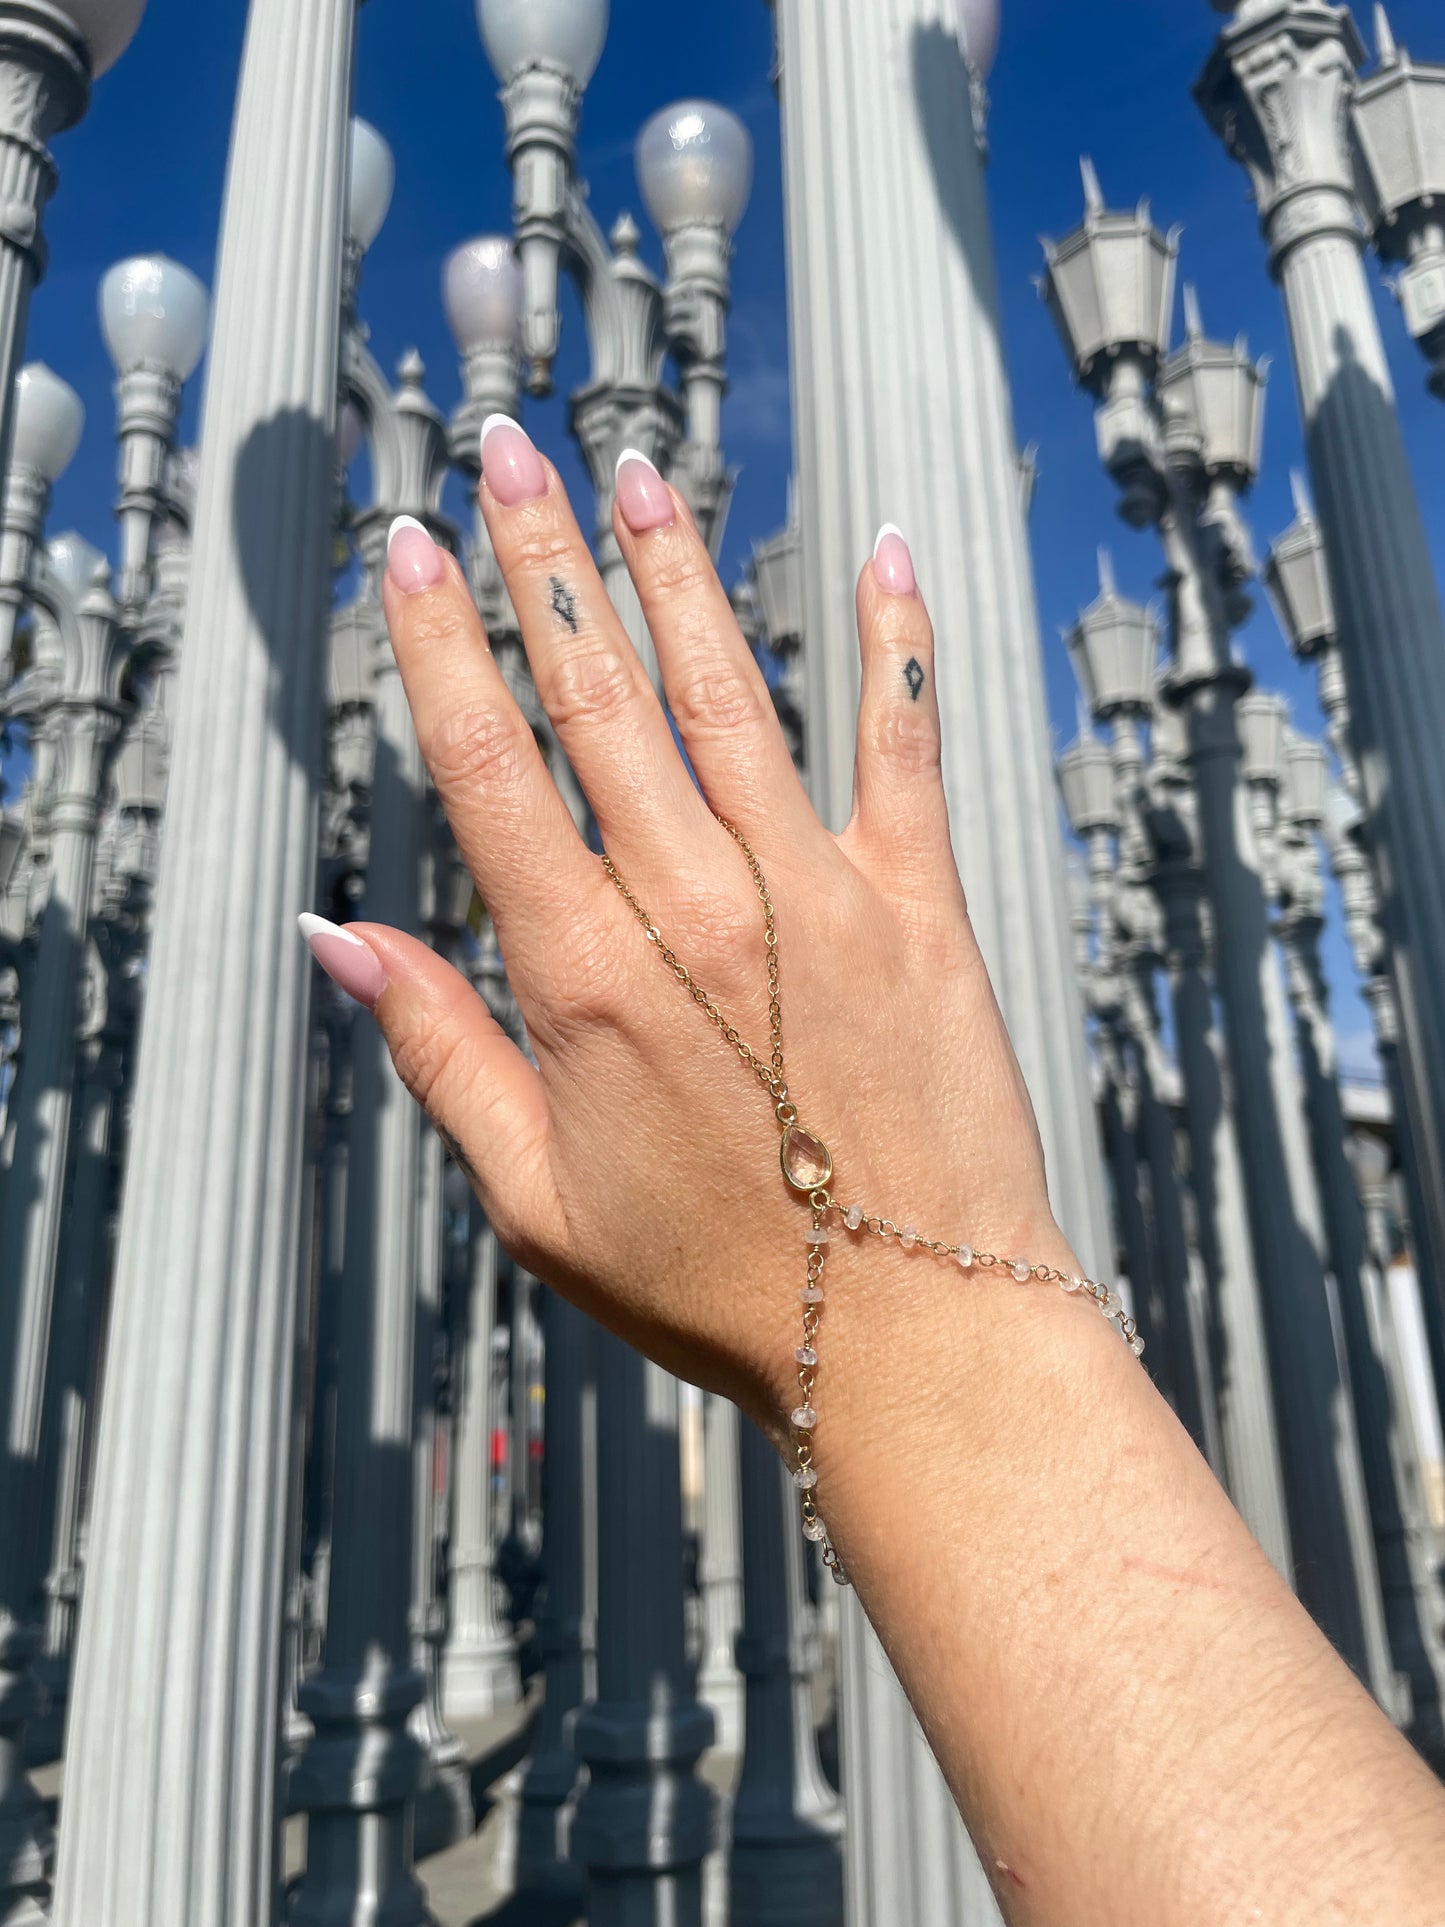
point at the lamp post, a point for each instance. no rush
(154, 314)
(71, 696)
(1278, 89)
(1181, 435)
(47, 424)
(1114, 647)
(1399, 129)
(170, 1793)
(50, 52)
(1405, 1547)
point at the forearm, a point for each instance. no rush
(1140, 1722)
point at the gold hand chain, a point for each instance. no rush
(807, 1166)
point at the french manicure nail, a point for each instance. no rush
(642, 495)
(413, 560)
(347, 961)
(511, 465)
(892, 563)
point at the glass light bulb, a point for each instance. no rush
(695, 166)
(106, 26)
(522, 33)
(74, 562)
(980, 24)
(350, 433)
(49, 421)
(370, 184)
(482, 292)
(154, 310)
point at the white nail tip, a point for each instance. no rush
(405, 522)
(499, 421)
(889, 528)
(314, 926)
(635, 455)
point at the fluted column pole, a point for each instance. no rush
(171, 1784)
(786, 1868)
(567, 1603)
(720, 1572)
(1277, 89)
(479, 1661)
(884, 171)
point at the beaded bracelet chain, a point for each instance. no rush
(807, 1167)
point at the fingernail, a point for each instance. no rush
(413, 560)
(347, 961)
(642, 495)
(892, 563)
(511, 465)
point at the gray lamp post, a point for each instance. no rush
(1405, 1547)
(50, 52)
(1115, 650)
(1278, 89)
(47, 423)
(154, 314)
(170, 1793)
(1399, 130)
(1181, 436)
(71, 696)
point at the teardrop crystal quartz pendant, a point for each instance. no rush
(807, 1161)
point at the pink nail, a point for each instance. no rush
(642, 495)
(892, 563)
(511, 465)
(413, 560)
(346, 960)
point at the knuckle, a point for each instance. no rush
(908, 739)
(540, 547)
(586, 978)
(719, 697)
(679, 571)
(591, 684)
(475, 745)
(431, 1060)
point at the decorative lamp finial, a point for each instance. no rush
(1093, 193)
(1385, 44)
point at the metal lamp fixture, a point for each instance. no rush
(1399, 145)
(1297, 580)
(49, 421)
(778, 575)
(155, 316)
(1263, 721)
(695, 167)
(1306, 781)
(1219, 391)
(371, 182)
(106, 26)
(1114, 647)
(482, 294)
(1110, 287)
(544, 52)
(1086, 783)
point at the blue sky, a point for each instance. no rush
(1112, 78)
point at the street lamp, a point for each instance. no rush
(979, 25)
(544, 52)
(1114, 647)
(106, 26)
(1306, 781)
(695, 170)
(155, 316)
(1399, 146)
(370, 183)
(49, 420)
(1086, 784)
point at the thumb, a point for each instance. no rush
(477, 1088)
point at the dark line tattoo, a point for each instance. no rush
(564, 603)
(459, 1157)
(914, 677)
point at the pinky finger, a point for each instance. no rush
(480, 1092)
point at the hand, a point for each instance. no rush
(636, 1167)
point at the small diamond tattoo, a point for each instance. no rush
(913, 676)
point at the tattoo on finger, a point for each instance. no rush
(913, 675)
(459, 1157)
(564, 603)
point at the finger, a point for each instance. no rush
(900, 818)
(515, 834)
(484, 1098)
(588, 675)
(722, 706)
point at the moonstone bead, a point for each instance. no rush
(805, 1355)
(1021, 1272)
(908, 1236)
(1113, 1305)
(853, 1216)
(965, 1257)
(811, 1295)
(817, 1236)
(815, 1530)
(805, 1418)
(1073, 1284)
(805, 1478)
(1136, 1345)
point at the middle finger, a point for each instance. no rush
(589, 677)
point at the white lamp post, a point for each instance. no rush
(370, 183)
(49, 421)
(155, 315)
(482, 294)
